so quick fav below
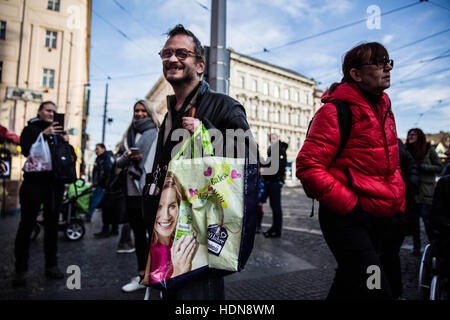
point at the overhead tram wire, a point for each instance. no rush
(438, 5)
(123, 34)
(279, 61)
(333, 30)
(421, 77)
(420, 40)
(421, 114)
(402, 47)
(143, 26)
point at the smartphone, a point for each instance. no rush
(59, 117)
(134, 150)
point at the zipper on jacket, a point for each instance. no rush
(386, 146)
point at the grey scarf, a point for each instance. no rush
(144, 127)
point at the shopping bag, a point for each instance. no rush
(202, 216)
(39, 158)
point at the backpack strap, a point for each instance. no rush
(344, 115)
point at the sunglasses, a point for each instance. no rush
(179, 53)
(379, 63)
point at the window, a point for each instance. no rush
(286, 94)
(253, 111)
(266, 88)
(53, 5)
(50, 39)
(1, 70)
(48, 78)
(3, 30)
(254, 85)
(304, 97)
(265, 113)
(242, 82)
(295, 96)
(276, 92)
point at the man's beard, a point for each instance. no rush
(188, 78)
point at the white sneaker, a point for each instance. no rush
(125, 248)
(133, 285)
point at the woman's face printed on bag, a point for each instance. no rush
(47, 112)
(140, 112)
(167, 215)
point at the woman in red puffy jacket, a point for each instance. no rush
(362, 189)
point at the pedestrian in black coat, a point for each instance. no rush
(39, 188)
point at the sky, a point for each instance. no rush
(309, 37)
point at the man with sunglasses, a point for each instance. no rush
(183, 63)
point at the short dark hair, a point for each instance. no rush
(101, 145)
(180, 29)
(44, 103)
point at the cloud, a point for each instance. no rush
(388, 38)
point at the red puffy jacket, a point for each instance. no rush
(368, 167)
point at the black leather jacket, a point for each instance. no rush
(215, 110)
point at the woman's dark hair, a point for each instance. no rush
(44, 103)
(417, 149)
(180, 29)
(357, 56)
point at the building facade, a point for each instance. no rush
(276, 100)
(44, 55)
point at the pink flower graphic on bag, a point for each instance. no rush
(193, 192)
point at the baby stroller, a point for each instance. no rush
(75, 203)
(434, 273)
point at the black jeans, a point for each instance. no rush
(134, 212)
(274, 193)
(356, 240)
(32, 194)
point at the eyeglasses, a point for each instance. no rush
(179, 53)
(379, 63)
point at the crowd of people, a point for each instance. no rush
(372, 188)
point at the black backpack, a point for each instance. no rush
(64, 162)
(344, 115)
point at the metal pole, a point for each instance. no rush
(217, 53)
(104, 114)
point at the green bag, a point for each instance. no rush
(75, 189)
(199, 223)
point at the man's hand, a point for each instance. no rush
(53, 129)
(190, 124)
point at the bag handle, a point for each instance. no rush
(205, 140)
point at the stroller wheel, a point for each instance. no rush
(75, 230)
(35, 232)
(425, 273)
(436, 290)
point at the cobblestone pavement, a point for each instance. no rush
(297, 266)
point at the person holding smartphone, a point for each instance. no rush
(139, 144)
(39, 188)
